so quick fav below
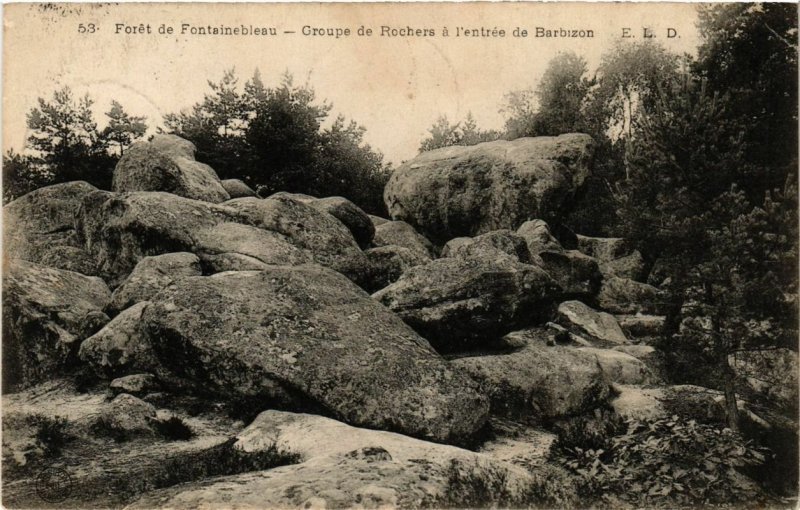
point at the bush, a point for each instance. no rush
(173, 429)
(667, 462)
(51, 434)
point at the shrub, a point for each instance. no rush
(51, 434)
(173, 429)
(667, 462)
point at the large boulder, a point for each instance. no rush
(40, 227)
(400, 233)
(498, 243)
(599, 327)
(119, 230)
(306, 337)
(539, 382)
(151, 275)
(620, 367)
(121, 347)
(237, 240)
(166, 163)
(538, 237)
(46, 314)
(625, 296)
(387, 263)
(468, 190)
(457, 303)
(355, 219)
(236, 188)
(127, 416)
(346, 467)
(327, 239)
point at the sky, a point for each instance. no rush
(395, 86)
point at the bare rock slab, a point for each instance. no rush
(306, 336)
(598, 327)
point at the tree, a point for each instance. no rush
(123, 129)
(65, 140)
(444, 134)
(731, 262)
(559, 97)
(21, 175)
(274, 139)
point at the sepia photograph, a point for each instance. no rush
(400, 255)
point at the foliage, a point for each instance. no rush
(123, 128)
(558, 101)
(173, 429)
(51, 434)
(668, 462)
(66, 145)
(21, 175)
(274, 139)
(444, 134)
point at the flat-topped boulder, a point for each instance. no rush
(166, 163)
(469, 190)
(498, 243)
(457, 303)
(151, 275)
(305, 337)
(598, 327)
(400, 233)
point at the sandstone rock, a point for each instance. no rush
(120, 230)
(389, 262)
(137, 385)
(630, 266)
(221, 262)
(307, 334)
(538, 237)
(167, 164)
(377, 220)
(620, 367)
(596, 326)
(400, 233)
(539, 382)
(151, 275)
(236, 188)
(128, 415)
(577, 274)
(624, 296)
(641, 326)
(327, 239)
(121, 347)
(262, 245)
(456, 303)
(468, 190)
(604, 248)
(46, 313)
(356, 220)
(348, 467)
(498, 243)
(40, 227)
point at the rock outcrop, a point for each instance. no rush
(400, 233)
(498, 243)
(236, 188)
(347, 467)
(47, 312)
(40, 227)
(166, 163)
(624, 296)
(356, 220)
(469, 190)
(151, 275)
(460, 302)
(595, 326)
(388, 263)
(539, 382)
(305, 337)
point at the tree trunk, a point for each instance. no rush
(731, 407)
